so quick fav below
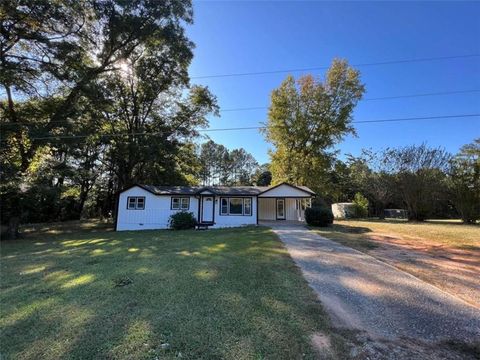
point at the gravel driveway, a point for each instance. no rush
(362, 293)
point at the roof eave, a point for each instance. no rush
(293, 186)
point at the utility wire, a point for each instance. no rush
(391, 62)
(374, 99)
(266, 107)
(257, 127)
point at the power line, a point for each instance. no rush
(391, 62)
(266, 107)
(422, 95)
(416, 118)
(373, 99)
(257, 127)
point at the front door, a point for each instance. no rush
(207, 209)
(280, 209)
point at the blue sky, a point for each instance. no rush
(236, 37)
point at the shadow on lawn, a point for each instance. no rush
(349, 229)
(213, 294)
(66, 227)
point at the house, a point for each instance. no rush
(149, 207)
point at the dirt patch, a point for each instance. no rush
(454, 270)
(321, 342)
(363, 347)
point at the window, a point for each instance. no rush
(247, 210)
(136, 203)
(236, 206)
(180, 203)
(224, 207)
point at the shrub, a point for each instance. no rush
(182, 220)
(361, 206)
(319, 216)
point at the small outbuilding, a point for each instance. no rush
(343, 210)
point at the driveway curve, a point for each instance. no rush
(362, 293)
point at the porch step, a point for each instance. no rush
(203, 225)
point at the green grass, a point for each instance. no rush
(353, 236)
(357, 233)
(99, 294)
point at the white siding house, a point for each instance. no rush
(154, 215)
(150, 207)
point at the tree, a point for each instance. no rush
(149, 131)
(99, 90)
(40, 45)
(361, 205)
(243, 167)
(306, 119)
(59, 50)
(338, 185)
(263, 176)
(418, 173)
(214, 162)
(219, 166)
(464, 182)
(369, 176)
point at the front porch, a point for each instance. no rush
(284, 202)
(282, 209)
(286, 223)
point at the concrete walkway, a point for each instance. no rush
(360, 292)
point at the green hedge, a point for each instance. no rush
(319, 216)
(182, 220)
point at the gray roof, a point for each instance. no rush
(171, 190)
(217, 190)
(236, 190)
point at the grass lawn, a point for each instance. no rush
(446, 254)
(95, 294)
(358, 233)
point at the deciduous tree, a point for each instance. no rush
(419, 173)
(306, 119)
(464, 182)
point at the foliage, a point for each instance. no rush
(464, 182)
(306, 119)
(420, 179)
(318, 216)
(63, 50)
(182, 220)
(418, 174)
(97, 97)
(361, 205)
(368, 176)
(264, 178)
(263, 175)
(220, 166)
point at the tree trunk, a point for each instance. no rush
(13, 118)
(13, 225)
(84, 190)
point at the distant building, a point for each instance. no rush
(395, 213)
(343, 210)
